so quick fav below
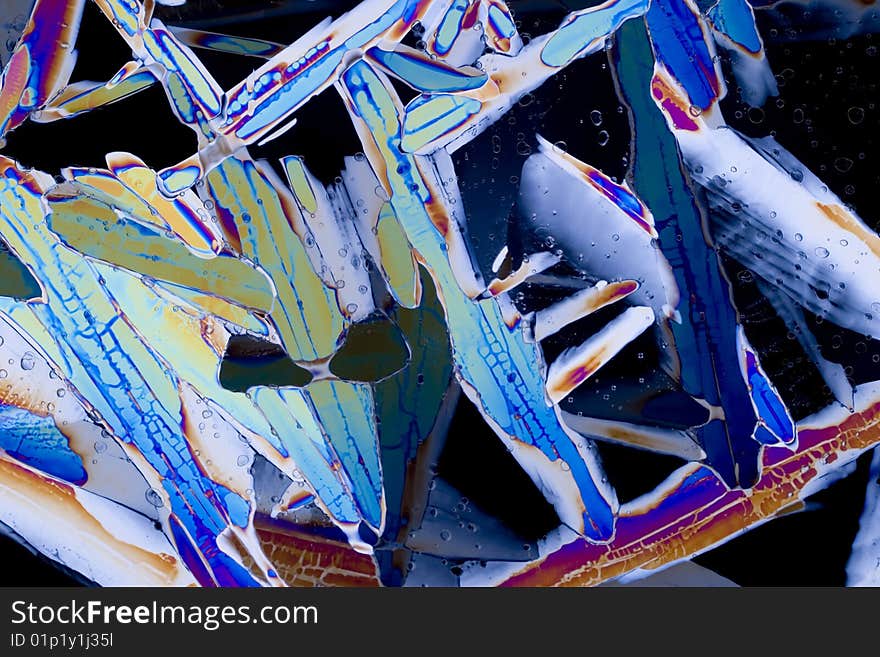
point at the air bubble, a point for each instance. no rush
(855, 115)
(154, 498)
